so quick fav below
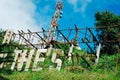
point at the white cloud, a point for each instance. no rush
(74, 2)
(18, 15)
(79, 5)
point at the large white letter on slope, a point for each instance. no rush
(38, 59)
(54, 55)
(22, 58)
(7, 36)
(29, 59)
(57, 61)
(17, 52)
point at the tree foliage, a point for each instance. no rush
(108, 27)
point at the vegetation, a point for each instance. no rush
(64, 75)
(104, 70)
(82, 66)
(6, 51)
(108, 27)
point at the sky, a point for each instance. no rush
(34, 14)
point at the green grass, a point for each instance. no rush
(63, 75)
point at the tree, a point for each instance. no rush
(108, 28)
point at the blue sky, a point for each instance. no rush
(79, 12)
(34, 14)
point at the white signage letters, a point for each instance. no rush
(21, 56)
(17, 52)
(6, 39)
(7, 36)
(38, 58)
(29, 59)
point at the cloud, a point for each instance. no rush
(79, 5)
(18, 15)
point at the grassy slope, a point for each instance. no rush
(99, 72)
(63, 75)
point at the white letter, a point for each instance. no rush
(21, 60)
(17, 52)
(29, 59)
(7, 36)
(57, 61)
(38, 59)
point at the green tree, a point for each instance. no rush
(108, 28)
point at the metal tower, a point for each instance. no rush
(54, 22)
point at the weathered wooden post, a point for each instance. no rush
(98, 53)
(70, 53)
